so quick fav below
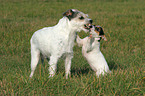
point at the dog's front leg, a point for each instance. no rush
(52, 65)
(69, 56)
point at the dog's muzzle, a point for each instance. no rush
(89, 25)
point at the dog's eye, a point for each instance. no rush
(81, 17)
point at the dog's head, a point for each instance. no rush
(97, 32)
(78, 19)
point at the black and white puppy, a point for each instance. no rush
(91, 50)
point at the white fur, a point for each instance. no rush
(53, 42)
(91, 51)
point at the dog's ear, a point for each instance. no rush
(70, 14)
(101, 32)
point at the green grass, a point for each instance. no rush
(123, 23)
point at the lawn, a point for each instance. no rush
(123, 22)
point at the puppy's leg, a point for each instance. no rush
(52, 67)
(35, 54)
(79, 41)
(68, 65)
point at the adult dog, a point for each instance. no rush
(91, 50)
(53, 42)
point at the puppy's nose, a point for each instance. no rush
(91, 21)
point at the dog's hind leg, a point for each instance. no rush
(52, 65)
(68, 65)
(35, 54)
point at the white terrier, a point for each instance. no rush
(91, 50)
(53, 42)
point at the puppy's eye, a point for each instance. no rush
(81, 17)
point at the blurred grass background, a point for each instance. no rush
(123, 23)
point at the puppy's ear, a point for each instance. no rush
(70, 14)
(101, 32)
(99, 29)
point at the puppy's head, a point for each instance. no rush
(97, 32)
(78, 19)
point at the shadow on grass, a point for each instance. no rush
(78, 71)
(83, 71)
(114, 66)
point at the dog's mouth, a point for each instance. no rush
(88, 26)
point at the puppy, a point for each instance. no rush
(53, 42)
(91, 50)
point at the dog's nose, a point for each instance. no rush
(91, 21)
(90, 26)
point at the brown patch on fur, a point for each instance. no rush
(70, 14)
(97, 32)
(67, 13)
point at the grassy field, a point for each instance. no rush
(124, 25)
